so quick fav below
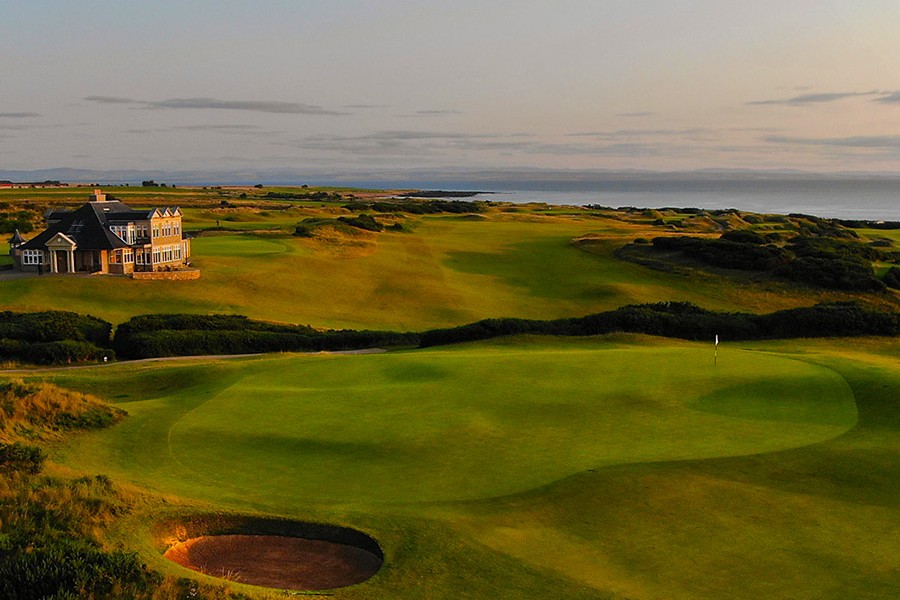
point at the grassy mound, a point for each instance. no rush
(408, 427)
(38, 411)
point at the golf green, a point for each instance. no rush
(460, 423)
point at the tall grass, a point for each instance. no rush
(39, 411)
(52, 528)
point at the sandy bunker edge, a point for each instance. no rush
(271, 552)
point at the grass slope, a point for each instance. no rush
(447, 271)
(649, 472)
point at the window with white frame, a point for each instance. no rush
(128, 255)
(33, 257)
(177, 228)
(156, 230)
(157, 255)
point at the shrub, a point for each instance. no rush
(892, 278)
(363, 221)
(687, 321)
(20, 457)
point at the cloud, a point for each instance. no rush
(695, 133)
(636, 114)
(365, 106)
(218, 127)
(263, 106)
(111, 100)
(892, 98)
(877, 142)
(432, 113)
(401, 142)
(814, 98)
(18, 115)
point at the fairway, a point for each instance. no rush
(464, 423)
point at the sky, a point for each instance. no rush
(353, 86)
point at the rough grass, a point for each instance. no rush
(447, 271)
(39, 411)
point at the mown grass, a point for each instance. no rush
(648, 471)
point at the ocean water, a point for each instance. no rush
(869, 199)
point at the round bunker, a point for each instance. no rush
(278, 554)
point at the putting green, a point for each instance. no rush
(465, 423)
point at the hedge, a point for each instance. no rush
(686, 321)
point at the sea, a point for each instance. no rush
(862, 199)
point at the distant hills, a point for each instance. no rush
(411, 177)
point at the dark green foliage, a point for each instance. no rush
(53, 337)
(833, 249)
(52, 326)
(809, 225)
(819, 261)
(148, 336)
(687, 321)
(892, 278)
(53, 353)
(303, 230)
(429, 207)
(743, 236)
(726, 253)
(316, 196)
(833, 273)
(859, 224)
(73, 569)
(22, 458)
(363, 221)
(9, 225)
(49, 550)
(95, 418)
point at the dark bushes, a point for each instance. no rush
(429, 207)
(726, 253)
(52, 326)
(189, 335)
(831, 273)
(819, 261)
(892, 278)
(363, 221)
(687, 321)
(22, 458)
(74, 569)
(53, 337)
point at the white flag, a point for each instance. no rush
(717, 341)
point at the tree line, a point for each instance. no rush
(68, 337)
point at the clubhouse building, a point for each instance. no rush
(105, 236)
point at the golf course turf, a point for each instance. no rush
(636, 459)
(612, 467)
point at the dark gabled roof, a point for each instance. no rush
(85, 225)
(16, 238)
(89, 225)
(113, 210)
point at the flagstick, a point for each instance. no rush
(716, 353)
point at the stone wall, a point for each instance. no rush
(168, 275)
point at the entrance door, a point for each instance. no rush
(62, 261)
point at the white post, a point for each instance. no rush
(716, 353)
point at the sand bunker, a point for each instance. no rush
(277, 561)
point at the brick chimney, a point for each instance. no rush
(98, 196)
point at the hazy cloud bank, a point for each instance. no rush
(884, 142)
(263, 106)
(819, 98)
